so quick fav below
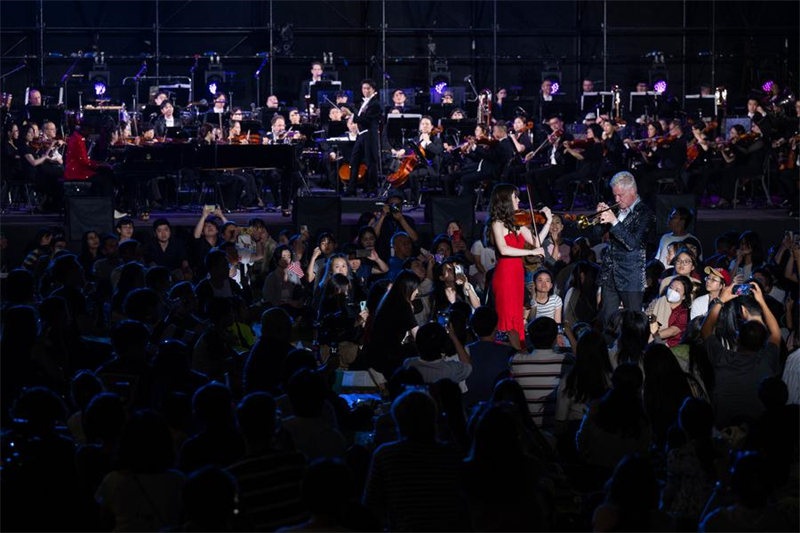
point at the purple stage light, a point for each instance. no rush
(768, 86)
(440, 87)
(99, 88)
(660, 86)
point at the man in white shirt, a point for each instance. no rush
(678, 225)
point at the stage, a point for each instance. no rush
(19, 226)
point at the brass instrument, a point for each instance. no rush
(485, 107)
(617, 92)
(587, 221)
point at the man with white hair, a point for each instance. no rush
(622, 271)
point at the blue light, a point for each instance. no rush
(554, 87)
(440, 87)
(212, 87)
(660, 86)
(99, 88)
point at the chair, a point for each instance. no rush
(481, 197)
(19, 189)
(763, 178)
(589, 188)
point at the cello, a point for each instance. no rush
(400, 177)
(344, 173)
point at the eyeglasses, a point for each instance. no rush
(684, 262)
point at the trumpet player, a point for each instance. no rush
(622, 269)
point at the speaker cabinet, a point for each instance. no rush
(84, 213)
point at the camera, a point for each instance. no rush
(396, 208)
(444, 318)
(743, 289)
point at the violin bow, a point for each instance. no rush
(533, 218)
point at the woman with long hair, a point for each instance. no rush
(393, 322)
(508, 282)
(634, 334)
(580, 302)
(666, 387)
(90, 252)
(588, 379)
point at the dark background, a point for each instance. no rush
(752, 40)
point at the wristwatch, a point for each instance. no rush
(715, 301)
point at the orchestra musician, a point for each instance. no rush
(367, 145)
(671, 156)
(273, 104)
(160, 98)
(11, 163)
(427, 168)
(166, 120)
(34, 98)
(316, 75)
(282, 181)
(399, 103)
(589, 162)
(788, 173)
(499, 112)
(557, 163)
(522, 139)
(587, 85)
(613, 148)
(214, 115)
(42, 168)
(80, 167)
(746, 159)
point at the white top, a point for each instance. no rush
(567, 408)
(699, 306)
(666, 240)
(791, 376)
(486, 255)
(547, 309)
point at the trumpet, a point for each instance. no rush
(586, 221)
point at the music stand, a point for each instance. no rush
(642, 103)
(700, 105)
(337, 129)
(252, 126)
(176, 133)
(320, 89)
(560, 106)
(460, 128)
(597, 101)
(439, 111)
(42, 114)
(398, 125)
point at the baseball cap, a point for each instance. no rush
(720, 273)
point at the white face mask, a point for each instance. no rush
(673, 296)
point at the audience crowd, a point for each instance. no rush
(241, 381)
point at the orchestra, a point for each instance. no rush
(530, 145)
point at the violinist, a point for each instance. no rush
(642, 150)
(44, 171)
(12, 165)
(787, 171)
(148, 134)
(522, 139)
(246, 177)
(671, 156)
(50, 140)
(747, 154)
(166, 120)
(589, 161)
(235, 134)
(277, 133)
(556, 163)
(613, 149)
(294, 117)
(699, 165)
(477, 167)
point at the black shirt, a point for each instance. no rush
(171, 258)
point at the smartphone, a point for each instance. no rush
(438, 258)
(362, 305)
(742, 289)
(444, 319)
(502, 336)
(303, 229)
(789, 234)
(210, 207)
(459, 269)
(457, 235)
(363, 254)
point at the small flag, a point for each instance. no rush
(296, 268)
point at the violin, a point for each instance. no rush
(665, 140)
(580, 144)
(523, 217)
(526, 127)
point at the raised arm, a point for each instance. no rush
(198, 229)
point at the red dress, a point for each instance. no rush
(508, 287)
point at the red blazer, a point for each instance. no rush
(78, 165)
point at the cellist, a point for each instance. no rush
(431, 149)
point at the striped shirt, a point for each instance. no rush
(791, 376)
(269, 489)
(547, 309)
(539, 374)
(415, 486)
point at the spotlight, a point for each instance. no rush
(212, 88)
(767, 87)
(660, 86)
(440, 87)
(99, 88)
(98, 81)
(555, 87)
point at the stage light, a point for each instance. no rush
(212, 88)
(440, 87)
(660, 86)
(555, 87)
(768, 86)
(99, 88)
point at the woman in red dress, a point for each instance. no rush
(508, 283)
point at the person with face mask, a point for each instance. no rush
(670, 313)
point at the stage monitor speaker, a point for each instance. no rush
(665, 203)
(440, 210)
(318, 213)
(84, 213)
